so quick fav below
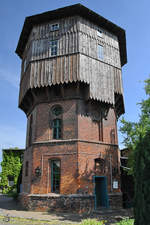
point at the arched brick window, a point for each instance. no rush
(56, 122)
(57, 129)
(57, 110)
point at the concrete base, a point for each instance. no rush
(58, 203)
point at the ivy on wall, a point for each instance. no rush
(11, 167)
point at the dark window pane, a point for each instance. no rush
(53, 47)
(55, 174)
(56, 129)
(26, 168)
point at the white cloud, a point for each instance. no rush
(11, 77)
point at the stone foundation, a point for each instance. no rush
(115, 200)
(58, 203)
(66, 203)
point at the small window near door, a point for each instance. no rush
(55, 176)
(100, 165)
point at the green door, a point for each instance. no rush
(101, 192)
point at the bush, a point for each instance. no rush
(92, 222)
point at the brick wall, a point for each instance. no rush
(77, 150)
(43, 131)
(43, 154)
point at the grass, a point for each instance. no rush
(103, 222)
(22, 221)
(92, 222)
(126, 222)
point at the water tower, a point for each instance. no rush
(71, 92)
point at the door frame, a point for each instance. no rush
(94, 179)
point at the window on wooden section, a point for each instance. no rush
(24, 65)
(54, 27)
(99, 33)
(100, 52)
(55, 176)
(26, 168)
(53, 47)
(57, 124)
(30, 130)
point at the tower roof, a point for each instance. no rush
(72, 10)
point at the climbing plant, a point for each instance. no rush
(11, 166)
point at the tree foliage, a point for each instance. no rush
(137, 140)
(134, 131)
(11, 166)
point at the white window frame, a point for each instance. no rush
(54, 27)
(99, 33)
(100, 52)
(53, 47)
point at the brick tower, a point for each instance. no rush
(71, 92)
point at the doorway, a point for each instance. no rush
(101, 195)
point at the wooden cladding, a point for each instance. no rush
(74, 35)
(67, 44)
(76, 59)
(72, 25)
(104, 80)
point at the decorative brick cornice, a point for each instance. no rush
(70, 141)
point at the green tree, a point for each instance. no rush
(137, 139)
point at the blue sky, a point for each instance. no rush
(133, 16)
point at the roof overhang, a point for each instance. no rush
(72, 10)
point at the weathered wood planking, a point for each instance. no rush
(77, 59)
(104, 80)
(74, 34)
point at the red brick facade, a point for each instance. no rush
(77, 150)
